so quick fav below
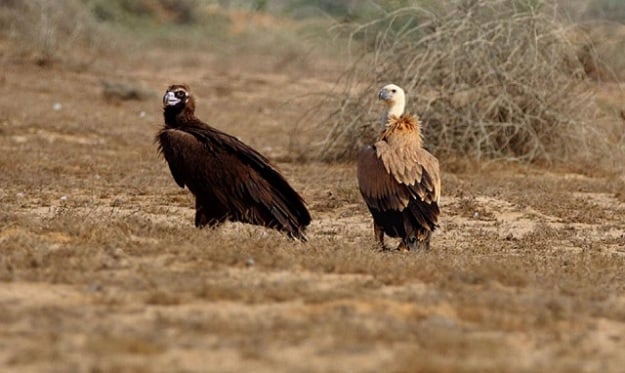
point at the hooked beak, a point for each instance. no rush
(170, 99)
(383, 95)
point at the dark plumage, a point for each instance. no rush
(398, 179)
(229, 179)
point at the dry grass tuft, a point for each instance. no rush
(490, 79)
(47, 31)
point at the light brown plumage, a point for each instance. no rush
(398, 179)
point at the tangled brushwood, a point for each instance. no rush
(490, 79)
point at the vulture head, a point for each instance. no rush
(395, 100)
(176, 101)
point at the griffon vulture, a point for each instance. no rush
(229, 179)
(398, 179)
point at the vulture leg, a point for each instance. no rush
(207, 217)
(201, 220)
(379, 236)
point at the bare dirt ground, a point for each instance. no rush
(101, 269)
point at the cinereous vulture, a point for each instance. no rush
(398, 179)
(229, 179)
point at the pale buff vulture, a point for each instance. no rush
(398, 179)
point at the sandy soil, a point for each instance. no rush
(101, 269)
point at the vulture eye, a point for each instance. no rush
(180, 94)
(394, 90)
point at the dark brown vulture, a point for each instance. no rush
(229, 179)
(398, 179)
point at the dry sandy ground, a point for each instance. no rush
(101, 269)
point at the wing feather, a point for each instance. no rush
(221, 169)
(399, 178)
(378, 188)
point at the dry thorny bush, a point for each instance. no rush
(49, 30)
(489, 79)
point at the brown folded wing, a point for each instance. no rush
(227, 176)
(407, 178)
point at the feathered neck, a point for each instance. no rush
(406, 124)
(178, 116)
(394, 108)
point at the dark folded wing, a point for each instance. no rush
(181, 150)
(218, 167)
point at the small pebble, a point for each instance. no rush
(57, 106)
(63, 198)
(250, 262)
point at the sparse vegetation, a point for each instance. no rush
(44, 30)
(489, 79)
(102, 270)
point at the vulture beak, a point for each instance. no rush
(383, 95)
(170, 99)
